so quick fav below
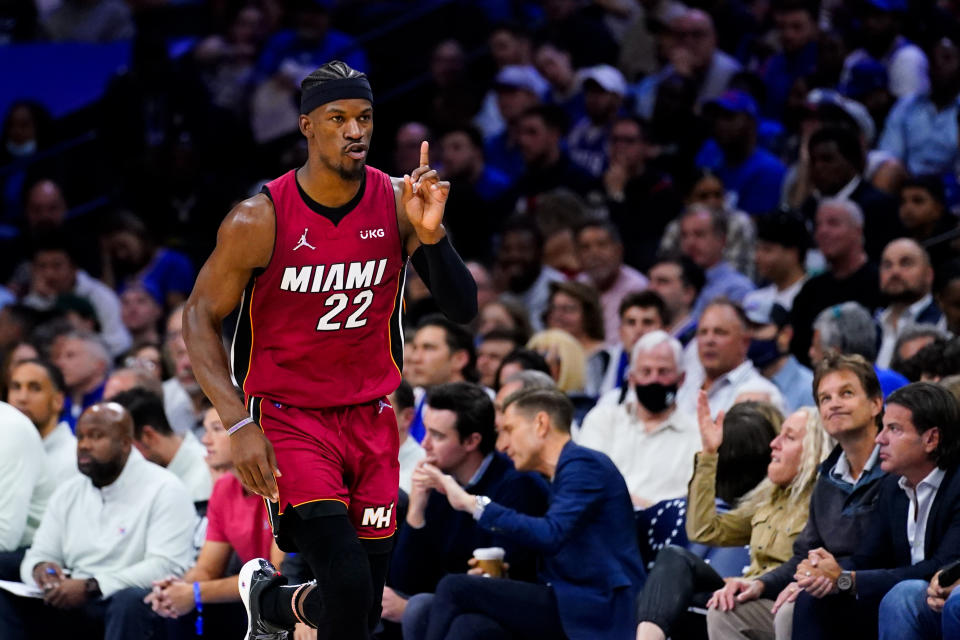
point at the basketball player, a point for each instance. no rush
(316, 262)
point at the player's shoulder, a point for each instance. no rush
(250, 217)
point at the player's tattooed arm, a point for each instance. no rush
(244, 244)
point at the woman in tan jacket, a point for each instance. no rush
(768, 518)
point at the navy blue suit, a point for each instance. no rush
(588, 543)
(882, 560)
(446, 542)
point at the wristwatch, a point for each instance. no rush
(481, 504)
(92, 588)
(846, 583)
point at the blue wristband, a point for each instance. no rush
(199, 605)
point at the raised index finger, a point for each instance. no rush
(424, 153)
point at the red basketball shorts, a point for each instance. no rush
(333, 461)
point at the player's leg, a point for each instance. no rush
(372, 464)
(315, 523)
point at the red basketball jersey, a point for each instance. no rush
(320, 326)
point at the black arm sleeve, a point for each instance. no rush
(448, 279)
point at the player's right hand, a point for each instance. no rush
(255, 462)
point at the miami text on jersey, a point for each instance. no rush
(339, 276)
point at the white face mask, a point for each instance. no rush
(24, 149)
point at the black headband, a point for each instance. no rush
(339, 89)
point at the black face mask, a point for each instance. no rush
(655, 397)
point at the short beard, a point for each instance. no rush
(102, 473)
(344, 173)
(905, 296)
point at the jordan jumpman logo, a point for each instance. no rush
(303, 242)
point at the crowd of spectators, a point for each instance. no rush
(712, 387)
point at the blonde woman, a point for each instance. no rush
(768, 518)
(564, 355)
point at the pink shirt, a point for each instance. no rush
(629, 280)
(239, 519)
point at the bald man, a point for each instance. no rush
(906, 280)
(105, 537)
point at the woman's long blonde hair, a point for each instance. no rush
(560, 348)
(817, 445)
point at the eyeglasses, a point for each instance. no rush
(142, 363)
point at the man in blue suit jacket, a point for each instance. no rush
(916, 525)
(591, 569)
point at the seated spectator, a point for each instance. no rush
(703, 236)
(27, 483)
(882, 42)
(703, 187)
(782, 243)
(141, 310)
(836, 172)
(723, 341)
(564, 356)
(149, 357)
(518, 88)
(525, 380)
(475, 191)
(237, 530)
(921, 129)
(37, 389)
(520, 360)
(547, 166)
(510, 45)
(441, 352)
(752, 174)
(492, 348)
(937, 360)
(600, 248)
(411, 452)
(181, 455)
(946, 285)
(127, 378)
(632, 186)
(848, 328)
(503, 314)
(55, 272)
(183, 399)
(649, 440)
(693, 56)
(604, 89)
(849, 276)
(95, 21)
(589, 516)
(842, 506)
(924, 215)
(519, 272)
(132, 256)
(640, 313)
(917, 526)
(217, 442)
(796, 27)
(104, 538)
(769, 519)
(17, 323)
(909, 344)
(575, 308)
(916, 610)
(83, 360)
(678, 281)
(770, 353)
(906, 281)
(554, 63)
(437, 540)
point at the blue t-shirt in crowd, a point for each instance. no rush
(287, 45)
(890, 380)
(170, 271)
(757, 181)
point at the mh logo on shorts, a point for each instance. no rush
(377, 517)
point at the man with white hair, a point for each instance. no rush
(84, 361)
(649, 440)
(850, 275)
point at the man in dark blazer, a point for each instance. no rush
(916, 525)
(435, 539)
(836, 171)
(591, 569)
